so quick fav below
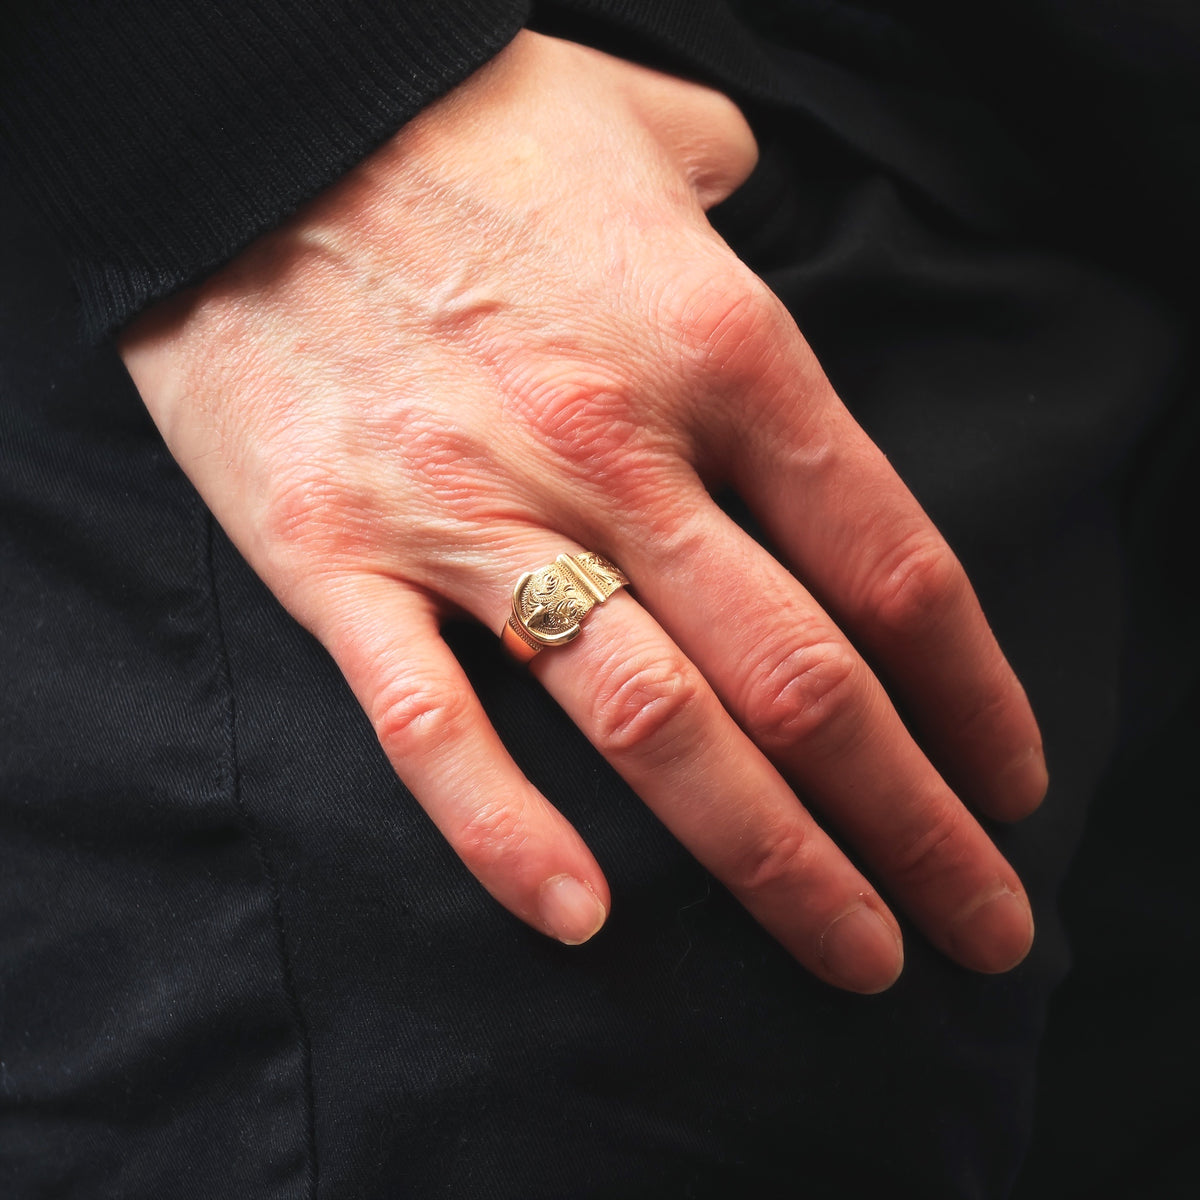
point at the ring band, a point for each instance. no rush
(549, 604)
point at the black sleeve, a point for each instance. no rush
(156, 138)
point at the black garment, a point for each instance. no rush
(158, 137)
(237, 958)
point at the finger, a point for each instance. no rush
(900, 590)
(802, 693)
(649, 711)
(855, 534)
(709, 136)
(441, 744)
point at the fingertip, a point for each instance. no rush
(570, 909)
(1018, 789)
(996, 934)
(861, 952)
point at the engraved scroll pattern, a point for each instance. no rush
(551, 603)
(607, 576)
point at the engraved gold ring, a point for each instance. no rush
(549, 604)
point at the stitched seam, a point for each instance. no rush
(230, 775)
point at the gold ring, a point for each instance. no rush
(549, 604)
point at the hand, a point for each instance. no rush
(510, 333)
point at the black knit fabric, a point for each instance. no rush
(158, 137)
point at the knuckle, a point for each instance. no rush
(602, 434)
(450, 479)
(492, 833)
(781, 861)
(915, 595)
(730, 322)
(982, 713)
(802, 695)
(931, 852)
(802, 447)
(445, 451)
(587, 420)
(645, 707)
(413, 722)
(311, 515)
(298, 505)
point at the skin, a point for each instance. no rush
(511, 332)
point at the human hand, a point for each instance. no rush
(511, 333)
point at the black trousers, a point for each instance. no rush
(239, 961)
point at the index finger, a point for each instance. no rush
(854, 533)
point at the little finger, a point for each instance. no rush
(440, 742)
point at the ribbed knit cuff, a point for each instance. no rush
(705, 39)
(157, 138)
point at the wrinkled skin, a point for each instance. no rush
(512, 332)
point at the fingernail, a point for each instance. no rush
(571, 910)
(861, 952)
(996, 934)
(1022, 785)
